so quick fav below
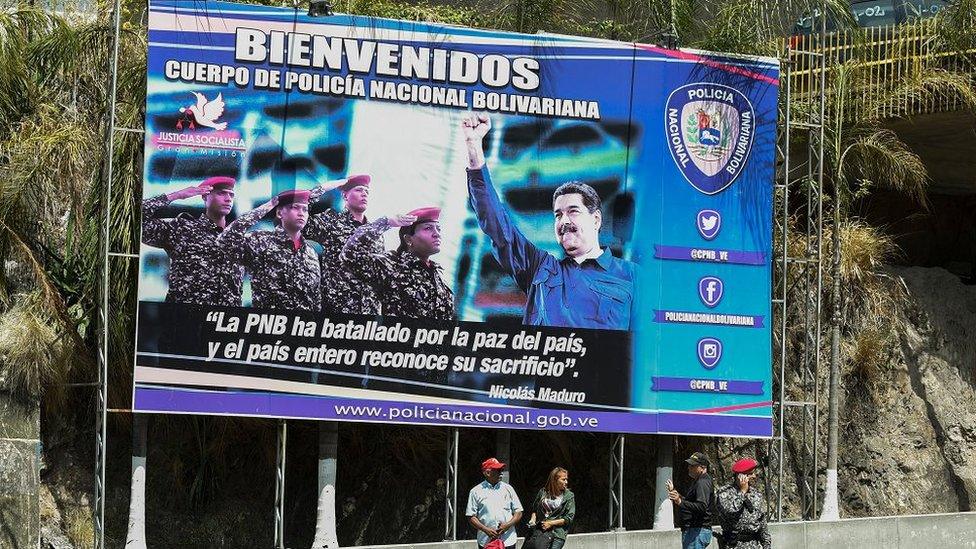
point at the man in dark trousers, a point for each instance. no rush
(693, 509)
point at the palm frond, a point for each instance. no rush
(877, 157)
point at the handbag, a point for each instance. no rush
(496, 543)
(539, 540)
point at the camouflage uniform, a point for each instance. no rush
(200, 272)
(282, 276)
(342, 292)
(405, 284)
(743, 518)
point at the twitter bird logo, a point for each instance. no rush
(709, 222)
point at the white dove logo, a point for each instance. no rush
(205, 112)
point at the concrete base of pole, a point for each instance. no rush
(663, 510)
(831, 509)
(325, 518)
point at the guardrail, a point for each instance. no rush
(882, 61)
(902, 532)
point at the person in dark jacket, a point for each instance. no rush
(693, 509)
(554, 508)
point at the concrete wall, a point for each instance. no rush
(19, 475)
(955, 530)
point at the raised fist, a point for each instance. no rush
(475, 126)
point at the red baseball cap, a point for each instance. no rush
(220, 181)
(491, 463)
(293, 197)
(744, 465)
(426, 214)
(353, 181)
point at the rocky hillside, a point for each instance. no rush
(908, 442)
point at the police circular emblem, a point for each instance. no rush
(710, 129)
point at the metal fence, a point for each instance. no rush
(885, 66)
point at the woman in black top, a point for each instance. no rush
(554, 508)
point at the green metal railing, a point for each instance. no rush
(883, 62)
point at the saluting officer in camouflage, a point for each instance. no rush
(742, 510)
(342, 291)
(406, 280)
(284, 268)
(200, 272)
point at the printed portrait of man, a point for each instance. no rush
(589, 287)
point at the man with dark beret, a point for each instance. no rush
(408, 282)
(284, 268)
(342, 291)
(742, 509)
(200, 272)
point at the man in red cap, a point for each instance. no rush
(742, 509)
(284, 268)
(342, 292)
(493, 507)
(199, 271)
(408, 282)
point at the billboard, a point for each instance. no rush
(360, 219)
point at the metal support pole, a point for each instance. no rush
(279, 535)
(503, 453)
(450, 489)
(780, 302)
(101, 412)
(325, 517)
(663, 509)
(616, 522)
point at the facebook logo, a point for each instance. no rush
(710, 290)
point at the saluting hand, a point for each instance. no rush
(190, 192)
(402, 220)
(336, 183)
(269, 205)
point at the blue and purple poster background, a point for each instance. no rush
(678, 144)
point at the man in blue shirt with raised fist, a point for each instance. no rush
(589, 288)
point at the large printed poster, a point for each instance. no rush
(359, 219)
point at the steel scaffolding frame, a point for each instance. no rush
(616, 516)
(450, 487)
(797, 284)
